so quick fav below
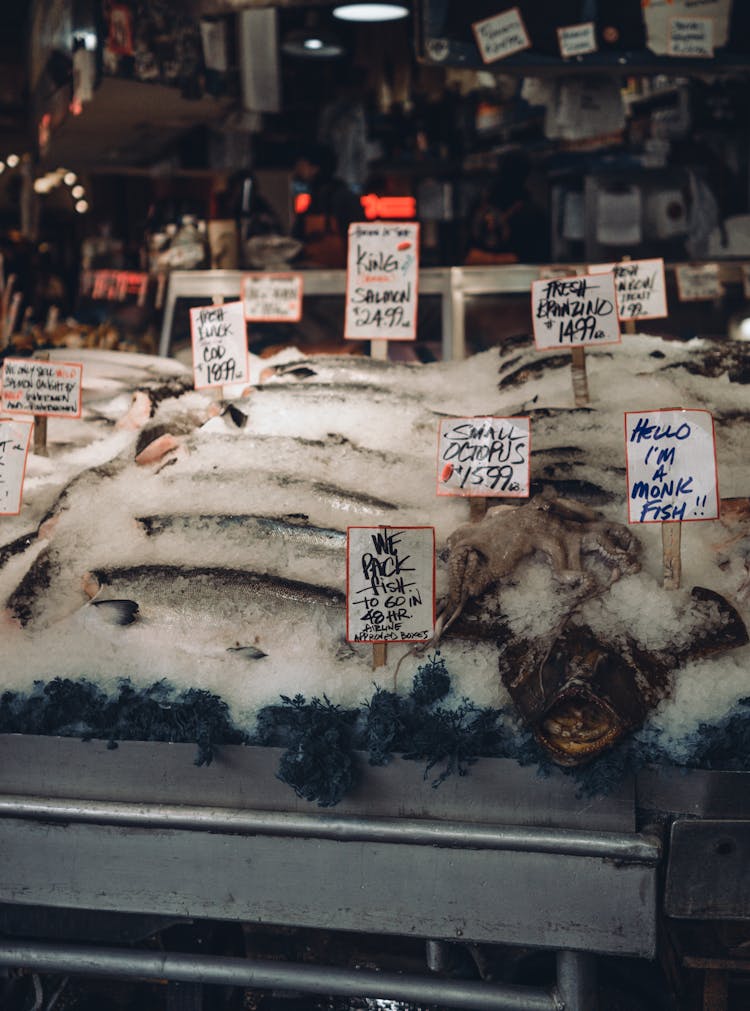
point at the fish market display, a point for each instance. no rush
(172, 534)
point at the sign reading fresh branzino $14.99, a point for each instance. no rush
(484, 456)
(573, 311)
(381, 281)
(390, 584)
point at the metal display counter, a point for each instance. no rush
(501, 856)
(454, 285)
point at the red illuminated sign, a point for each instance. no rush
(388, 207)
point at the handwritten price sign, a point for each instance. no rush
(692, 37)
(640, 287)
(671, 465)
(700, 283)
(575, 311)
(219, 337)
(381, 282)
(501, 35)
(484, 456)
(45, 388)
(390, 584)
(15, 437)
(577, 40)
(272, 298)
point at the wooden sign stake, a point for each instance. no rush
(379, 654)
(578, 373)
(671, 534)
(40, 420)
(477, 508)
(379, 350)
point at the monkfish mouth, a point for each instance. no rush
(577, 727)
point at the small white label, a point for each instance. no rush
(577, 40)
(484, 456)
(700, 283)
(501, 35)
(390, 584)
(671, 466)
(219, 335)
(272, 298)
(573, 311)
(691, 37)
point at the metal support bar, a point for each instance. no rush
(326, 980)
(624, 848)
(576, 981)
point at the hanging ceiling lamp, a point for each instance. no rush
(370, 11)
(312, 40)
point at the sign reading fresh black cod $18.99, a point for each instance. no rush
(381, 281)
(573, 311)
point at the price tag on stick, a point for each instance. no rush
(219, 336)
(43, 388)
(381, 282)
(390, 595)
(575, 312)
(671, 472)
(15, 439)
(640, 287)
(487, 457)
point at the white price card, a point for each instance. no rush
(15, 438)
(219, 336)
(484, 456)
(691, 37)
(44, 388)
(671, 466)
(698, 283)
(381, 281)
(640, 287)
(390, 584)
(577, 40)
(272, 298)
(501, 35)
(569, 312)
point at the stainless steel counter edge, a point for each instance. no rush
(622, 847)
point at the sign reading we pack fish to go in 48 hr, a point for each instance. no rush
(484, 456)
(640, 287)
(219, 336)
(390, 584)
(671, 466)
(15, 438)
(381, 281)
(272, 298)
(571, 311)
(44, 388)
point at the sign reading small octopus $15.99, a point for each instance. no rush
(484, 456)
